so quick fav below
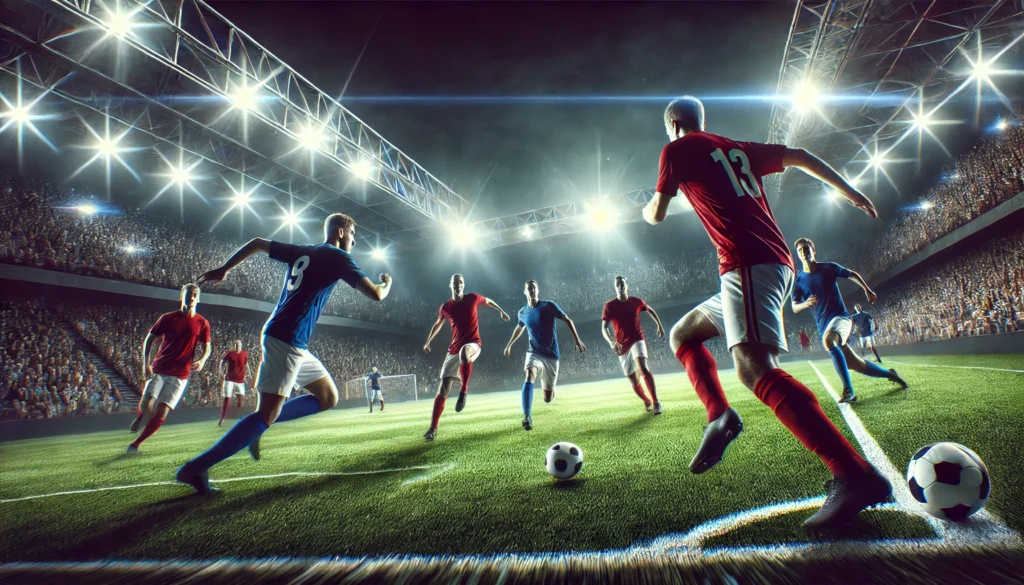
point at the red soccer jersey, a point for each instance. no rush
(721, 179)
(804, 339)
(180, 333)
(625, 318)
(236, 366)
(462, 316)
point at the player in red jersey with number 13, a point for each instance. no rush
(721, 178)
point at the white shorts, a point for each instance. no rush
(166, 389)
(749, 306)
(547, 369)
(841, 325)
(229, 389)
(450, 369)
(628, 359)
(867, 341)
(377, 395)
(284, 367)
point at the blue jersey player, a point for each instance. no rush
(312, 273)
(537, 318)
(816, 286)
(374, 379)
(865, 324)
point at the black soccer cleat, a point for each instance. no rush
(461, 403)
(199, 480)
(254, 449)
(134, 428)
(848, 497)
(717, 436)
(848, 396)
(527, 424)
(431, 433)
(549, 395)
(894, 377)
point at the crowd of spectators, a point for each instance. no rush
(44, 375)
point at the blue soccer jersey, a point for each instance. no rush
(375, 380)
(540, 326)
(823, 284)
(865, 324)
(312, 273)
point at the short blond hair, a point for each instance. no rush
(337, 221)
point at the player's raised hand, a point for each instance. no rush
(508, 351)
(426, 348)
(505, 317)
(872, 297)
(385, 278)
(213, 276)
(862, 203)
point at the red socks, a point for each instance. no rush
(703, 372)
(649, 380)
(438, 409)
(465, 371)
(796, 406)
(640, 391)
(224, 408)
(151, 427)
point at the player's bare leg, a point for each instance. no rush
(145, 407)
(155, 421)
(531, 377)
(634, 381)
(833, 343)
(238, 400)
(382, 404)
(645, 371)
(466, 356)
(867, 368)
(724, 423)
(442, 395)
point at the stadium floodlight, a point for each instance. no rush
(244, 97)
(290, 219)
(311, 137)
(119, 24)
(877, 160)
(806, 97)
(833, 195)
(379, 254)
(926, 205)
(130, 249)
(19, 116)
(242, 199)
(983, 69)
(363, 169)
(921, 122)
(1002, 124)
(181, 175)
(527, 232)
(87, 209)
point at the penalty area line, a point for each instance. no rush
(229, 480)
(957, 367)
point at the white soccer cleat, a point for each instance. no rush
(131, 450)
(657, 408)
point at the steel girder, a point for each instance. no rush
(878, 59)
(180, 65)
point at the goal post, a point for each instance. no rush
(398, 388)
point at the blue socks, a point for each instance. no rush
(874, 370)
(839, 361)
(246, 430)
(298, 407)
(527, 398)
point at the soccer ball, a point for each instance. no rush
(949, 480)
(563, 460)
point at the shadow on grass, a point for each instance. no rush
(568, 484)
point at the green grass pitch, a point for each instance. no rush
(481, 487)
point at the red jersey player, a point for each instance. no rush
(234, 366)
(627, 339)
(461, 313)
(721, 178)
(167, 376)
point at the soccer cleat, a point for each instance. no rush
(648, 406)
(717, 436)
(220, 422)
(431, 433)
(461, 403)
(527, 424)
(549, 395)
(848, 396)
(847, 497)
(131, 450)
(894, 377)
(254, 449)
(135, 425)
(199, 481)
(657, 408)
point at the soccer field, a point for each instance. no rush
(350, 483)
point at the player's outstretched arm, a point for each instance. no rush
(870, 294)
(575, 335)
(656, 210)
(810, 302)
(433, 333)
(515, 336)
(494, 305)
(657, 321)
(609, 336)
(821, 170)
(254, 246)
(375, 292)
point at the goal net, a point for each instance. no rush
(400, 388)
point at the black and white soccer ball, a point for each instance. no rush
(563, 460)
(949, 480)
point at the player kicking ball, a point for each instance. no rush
(374, 380)
(313, 271)
(865, 331)
(538, 317)
(461, 313)
(167, 377)
(817, 286)
(620, 325)
(721, 179)
(234, 366)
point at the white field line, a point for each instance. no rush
(231, 479)
(889, 361)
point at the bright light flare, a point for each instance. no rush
(877, 160)
(598, 214)
(463, 235)
(180, 176)
(130, 248)
(527, 232)
(926, 205)
(363, 169)
(244, 98)
(1002, 125)
(379, 254)
(87, 209)
(311, 137)
(806, 97)
(119, 24)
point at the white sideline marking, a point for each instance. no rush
(957, 367)
(229, 480)
(429, 475)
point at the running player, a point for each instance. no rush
(167, 376)
(313, 271)
(627, 339)
(537, 317)
(865, 330)
(374, 379)
(461, 313)
(816, 286)
(234, 366)
(721, 178)
(805, 342)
